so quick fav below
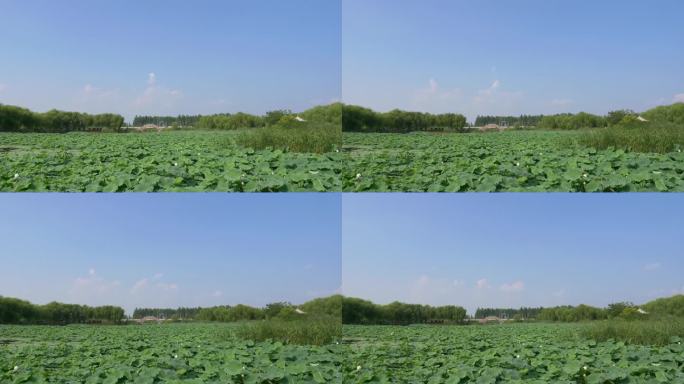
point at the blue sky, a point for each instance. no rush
(170, 249)
(512, 57)
(170, 57)
(512, 250)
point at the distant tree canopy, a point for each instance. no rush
(666, 114)
(571, 314)
(167, 313)
(360, 119)
(230, 121)
(667, 306)
(359, 311)
(523, 312)
(522, 120)
(331, 113)
(17, 119)
(573, 121)
(320, 114)
(167, 121)
(663, 307)
(16, 311)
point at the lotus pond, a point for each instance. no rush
(509, 353)
(501, 161)
(167, 353)
(151, 162)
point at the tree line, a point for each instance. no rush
(167, 121)
(508, 313)
(573, 121)
(226, 313)
(359, 119)
(359, 311)
(17, 119)
(16, 311)
(167, 313)
(663, 307)
(331, 113)
(521, 121)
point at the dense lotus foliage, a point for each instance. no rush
(152, 162)
(505, 161)
(169, 353)
(519, 353)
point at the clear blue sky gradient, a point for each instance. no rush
(558, 248)
(209, 56)
(548, 56)
(170, 249)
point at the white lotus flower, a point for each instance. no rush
(358, 176)
(358, 367)
(16, 175)
(175, 356)
(175, 164)
(16, 368)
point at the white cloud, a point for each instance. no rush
(678, 98)
(90, 95)
(153, 284)
(652, 266)
(482, 284)
(516, 286)
(217, 293)
(495, 96)
(92, 285)
(139, 285)
(433, 97)
(157, 98)
(167, 287)
(427, 289)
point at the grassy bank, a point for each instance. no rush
(638, 137)
(644, 332)
(312, 138)
(318, 330)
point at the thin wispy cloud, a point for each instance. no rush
(516, 286)
(652, 266)
(93, 289)
(154, 283)
(678, 98)
(482, 284)
(433, 97)
(156, 98)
